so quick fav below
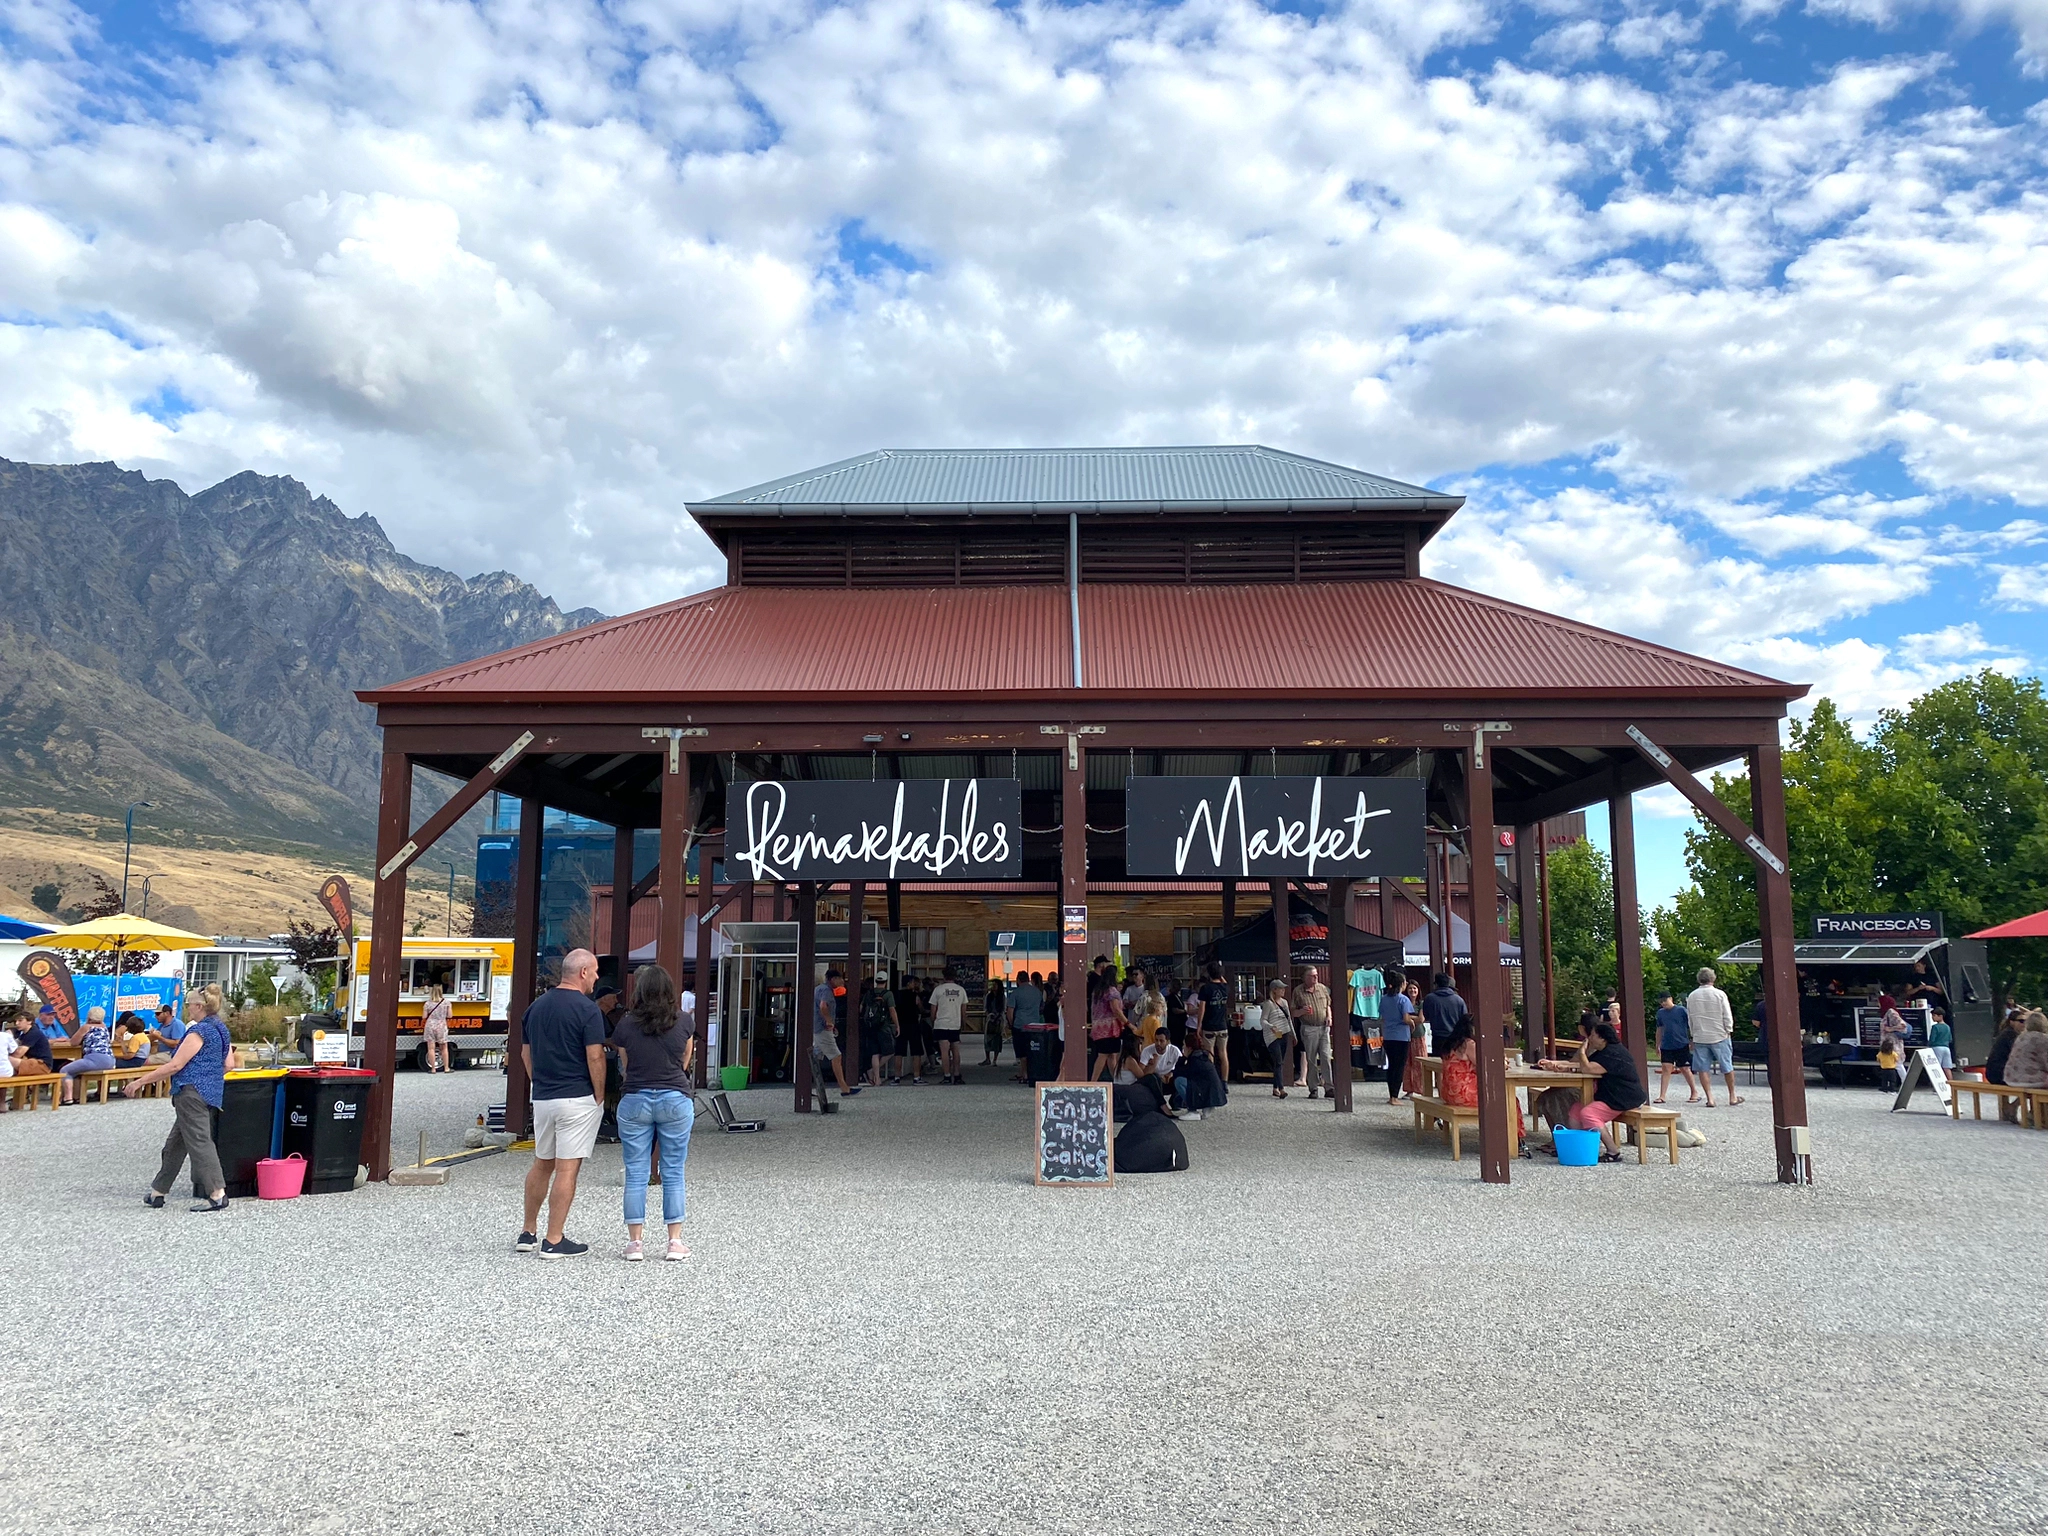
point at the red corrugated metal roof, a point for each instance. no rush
(1374, 638)
(754, 641)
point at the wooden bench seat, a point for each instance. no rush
(24, 1090)
(2030, 1100)
(1646, 1122)
(109, 1076)
(1452, 1117)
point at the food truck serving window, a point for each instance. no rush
(458, 976)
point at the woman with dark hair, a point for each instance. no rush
(992, 1007)
(1601, 1055)
(657, 1102)
(1460, 1084)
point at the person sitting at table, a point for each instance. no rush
(2001, 1050)
(1619, 1088)
(169, 1030)
(31, 1053)
(2026, 1065)
(1460, 1081)
(95, 1052)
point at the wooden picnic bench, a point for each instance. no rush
(2031, 1101)
(24, 1090)
(1451, 1117)
(1646, 1122)
(108, 1076)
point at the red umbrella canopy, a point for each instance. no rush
(2035, 927)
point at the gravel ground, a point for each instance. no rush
(886, 1327)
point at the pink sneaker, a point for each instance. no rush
(677, 1250)
(635, 1253)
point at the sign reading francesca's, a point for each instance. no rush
(875, 829)
(1293, 827)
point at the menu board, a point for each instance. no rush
(1075, 1139)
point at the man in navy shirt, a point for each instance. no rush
(563, 1047)
(1443, 1008)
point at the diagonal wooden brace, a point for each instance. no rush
(1707, 801)
(464, 798)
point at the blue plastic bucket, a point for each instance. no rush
(1577, 1149)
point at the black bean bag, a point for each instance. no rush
(1151, 1143)
(1133, 1099)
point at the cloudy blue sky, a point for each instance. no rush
(1728, 318)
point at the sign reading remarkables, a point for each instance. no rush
(1292, 827)
(875, 829)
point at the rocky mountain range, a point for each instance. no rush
(201, 652)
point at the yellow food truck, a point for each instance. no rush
(476, 975)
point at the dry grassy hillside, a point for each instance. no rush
(208, 890)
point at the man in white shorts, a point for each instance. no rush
(563, 1048)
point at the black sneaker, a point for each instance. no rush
(524, 1243)
(567, 1248)
(209, 1205)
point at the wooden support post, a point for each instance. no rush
(1628, 931)
(1074, 893)
(525, 962)
(802, 1004)
(1339, 983)
(678, 821)
(1229, 905)
(1535, 963)
(707, 968)
(1393, 921)
(1549, 950)
(856, 978)
(747, 893)
(387, 941)
(1436, 892)
(1283, 967)
(894, 890)
(622, 905)
(1495, 1144)
(1780, 981)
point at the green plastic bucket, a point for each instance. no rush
(732, 1079)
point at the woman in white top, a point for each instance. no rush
(434, 1029)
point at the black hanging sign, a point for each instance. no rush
(875, 829)
(1295, 828)
(1073, 1144)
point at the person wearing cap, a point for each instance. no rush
(169, 1030)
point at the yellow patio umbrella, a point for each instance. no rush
(121, 933)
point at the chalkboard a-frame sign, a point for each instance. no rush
(1074, 1141)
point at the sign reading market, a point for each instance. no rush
(875, 829)
(1296, 828)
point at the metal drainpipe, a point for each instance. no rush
(1074, 586)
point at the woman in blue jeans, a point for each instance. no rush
(655, 1055)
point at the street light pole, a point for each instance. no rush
(145, 894)
(451, 901)
(128, 847)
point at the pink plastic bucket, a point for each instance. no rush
(280, 1178)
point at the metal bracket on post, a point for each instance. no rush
(1479, 735)
(675, 735)
(1073, 733)
(1706, 802)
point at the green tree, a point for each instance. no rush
(1944, 808)
(1581, 928)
